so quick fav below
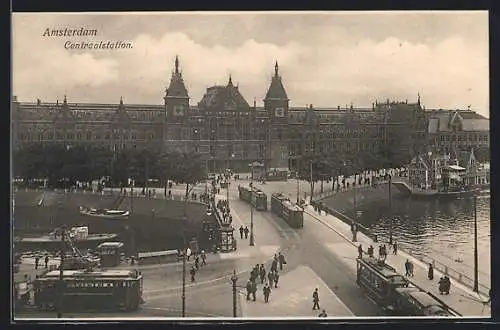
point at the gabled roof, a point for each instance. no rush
(224, 98)
(276, 90)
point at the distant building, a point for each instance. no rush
(438, 171)
(451, 130)
(231, 133)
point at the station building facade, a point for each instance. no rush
(231, 133)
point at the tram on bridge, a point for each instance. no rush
(292, 214)
(89, 290)
(255, 196)
(394, 293)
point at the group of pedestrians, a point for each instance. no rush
(269, 281)
(37, 261)
(197, 265)
(223, 207)
(382, 251)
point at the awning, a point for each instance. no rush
(456, 168)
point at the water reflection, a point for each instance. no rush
(445, 227)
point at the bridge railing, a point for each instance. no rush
(457, 275)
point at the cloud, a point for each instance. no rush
(449, 73)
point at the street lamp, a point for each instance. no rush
(252, 243)
(187, 253)
(61, 230)
(476, 280)
(390, 209)
(234, 278)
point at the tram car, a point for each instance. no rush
(254, 196)
(395, 294)
(285, 209)
(90, 290)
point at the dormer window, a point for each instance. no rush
(230, 105)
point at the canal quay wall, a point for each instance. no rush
(155, 223)
(341, 205)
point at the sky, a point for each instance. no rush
(325, 59)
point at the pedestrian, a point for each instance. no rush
(37, 260)
(193, 273)
(262, 274)
(441, 285)
(407, 268)
(246, 232)
(323, 314)
(267, 291)
(411, 269)
(203, 258)
(281, 260)
(197, 262)
(395, 248)
(276, 278)
(249, 289)
(380, 252)
(46, 261)
(274, 265)
(254, 290)
(447, 284)
(315, 299)
(270, 277)
(360, 251)
(370, 251)
(430, 273)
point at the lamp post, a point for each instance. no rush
(252, 242)
(187, 253)
(476, 280)
(298, 186)
(234, 278)
(60, 304)
(312, 187)
(390, 209)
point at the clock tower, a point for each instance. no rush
(176, 96)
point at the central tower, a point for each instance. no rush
(276, 100)
(176, 96)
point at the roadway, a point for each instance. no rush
(310, 264)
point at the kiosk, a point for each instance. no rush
(110, 253)
(227, 242)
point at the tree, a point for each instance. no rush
(188, 169)
(313, 169)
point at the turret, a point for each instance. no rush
(276, 100)
(176, 96)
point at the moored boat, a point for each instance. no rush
(104, 213)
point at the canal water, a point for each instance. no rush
(438, 227)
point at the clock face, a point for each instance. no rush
(178, 110)
(279, 112)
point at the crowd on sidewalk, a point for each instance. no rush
(269, 281)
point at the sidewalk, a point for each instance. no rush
(266, 239)
(461, 298)
(293, 298)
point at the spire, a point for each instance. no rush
(418, 98)
(276, 89)
(230, 83)
(176, 87)
(254, 103)
(65, 100)
(121, 100)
